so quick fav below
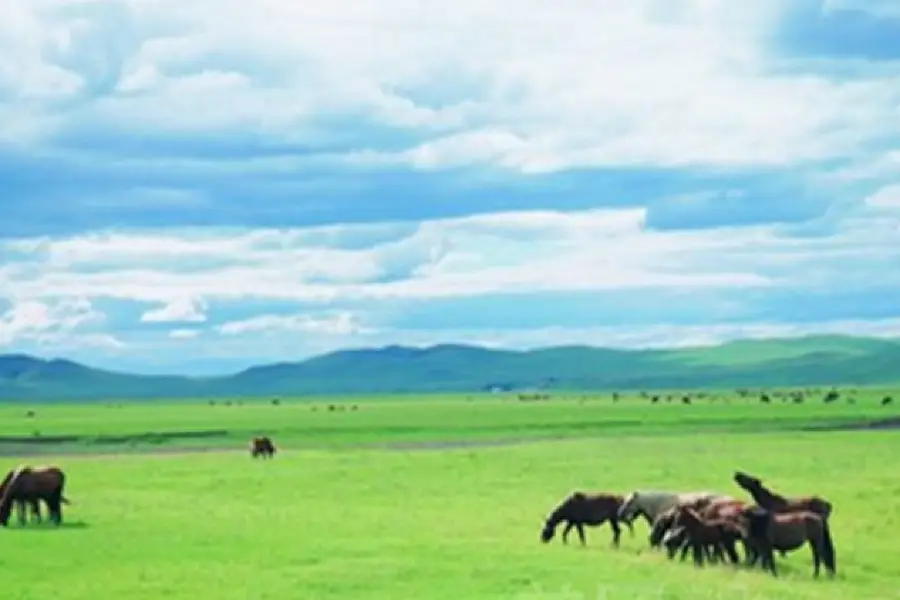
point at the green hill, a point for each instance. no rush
(818, 360)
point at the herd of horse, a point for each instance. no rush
(708, 524)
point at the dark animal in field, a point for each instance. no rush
(686, 400)
(583, 508)
(262, 446)
(700, 533)
(772, 501)
(786, 532)
(765, 399)
(29, 485)
(887, 400)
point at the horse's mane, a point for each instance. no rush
(759, 489)
(8, 485)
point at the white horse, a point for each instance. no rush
(652, 503)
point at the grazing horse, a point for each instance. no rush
(26, 484)
(788, 531)
(582, 508)
(262, 446)
(666, 531)
(652, 503)
(702, 534)
(772, 501)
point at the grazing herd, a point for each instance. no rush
(708, 524)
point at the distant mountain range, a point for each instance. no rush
(806, 361)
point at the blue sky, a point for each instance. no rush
(199, 186)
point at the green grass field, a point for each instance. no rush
(337, 516)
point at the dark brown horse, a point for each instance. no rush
(772, 501)
(583, 508)
(788, 531)
(30, 485)
(262, 446)
(701, 533)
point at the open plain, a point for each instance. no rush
(439, 497)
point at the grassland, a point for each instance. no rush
(337, 516)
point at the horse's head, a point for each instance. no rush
(661, 526)
(630, 506)
(548, 530)
(747, 481)
(674, 539)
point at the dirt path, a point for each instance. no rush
(175, 450)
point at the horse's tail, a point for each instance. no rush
(828, 554)
(825, 508)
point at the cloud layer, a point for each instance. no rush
(198, 185)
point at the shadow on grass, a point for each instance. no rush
(47, 526)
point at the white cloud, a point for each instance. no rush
(184, 334)
(536, 88)
(510, 252)
(185, 310)
(338, 324)
(518, 252)
(52, 323)
(887, 197)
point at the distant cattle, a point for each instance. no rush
(887, 400)
(262, 446)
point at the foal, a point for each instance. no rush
(583, 508)
(720, 534)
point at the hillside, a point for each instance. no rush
(821, 360)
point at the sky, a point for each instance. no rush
(196, 187)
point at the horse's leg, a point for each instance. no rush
(768, 559)
(54, 506)
(698, 554)
(753, 553)
(731, 550)
(565, 533)
(36, 510)
(21, 511)
(816, 544)
(617, 531)
(686, 547)
(579, 527)
(718, 555)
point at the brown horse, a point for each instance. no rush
(26, 484)
(788, 531)
(262, 446)
(582, 508)
(702, 533)
(772, 501)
